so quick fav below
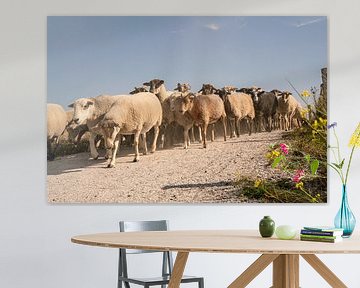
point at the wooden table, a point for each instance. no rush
(284, 254)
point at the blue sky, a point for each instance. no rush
(92, 55)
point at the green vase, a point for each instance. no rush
(267, 227)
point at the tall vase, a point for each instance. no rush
(345, 219)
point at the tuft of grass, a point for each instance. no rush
(280, 191)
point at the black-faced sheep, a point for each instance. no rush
(203, 109)
(131, 115)
(254, 92)
(138, 90)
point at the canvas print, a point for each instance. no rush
(184, 109)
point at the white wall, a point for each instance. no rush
(35, 248)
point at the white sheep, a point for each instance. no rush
(287, 107)
(238, 106)
(56, 126)
(131, 115)
(90, 111)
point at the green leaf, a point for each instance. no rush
(307, 158)
(342, 163)
(276, 162)
(314, 166)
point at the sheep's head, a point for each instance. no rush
(154, 85)
(284, 97)
(183, 88)
(138, 90)
(183, 103)
(83, 109)
(254, 92)
(276, 92)
(208, 89)
(109, 129)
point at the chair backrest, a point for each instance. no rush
(134, 226)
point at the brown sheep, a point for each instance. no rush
(203, 109)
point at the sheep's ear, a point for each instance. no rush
(159, 83)
(146, 84)
(191, 96)
(71, 105)
(201, 90)
(89, 103)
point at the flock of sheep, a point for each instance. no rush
(152, 106)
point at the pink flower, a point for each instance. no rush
(298, 175)
(284, 148)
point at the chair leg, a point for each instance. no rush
(201, 283)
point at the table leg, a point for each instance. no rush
(253, 270)
(324, 271)
(286, 271)
(178, 270)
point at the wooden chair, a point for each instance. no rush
(167, 262)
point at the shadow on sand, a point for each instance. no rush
(198, 185)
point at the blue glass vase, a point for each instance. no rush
(345, 219)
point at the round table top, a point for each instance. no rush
(218, 241)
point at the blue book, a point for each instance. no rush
(322, 231)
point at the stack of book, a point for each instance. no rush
(321, 234)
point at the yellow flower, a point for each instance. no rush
(257, 183)
(303, 113)
(299, 185)
(355, 138)
(323, 122)
(272, 155)
(305, 93)
(315, 125)
(276, 153)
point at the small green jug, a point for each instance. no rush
(267, 227)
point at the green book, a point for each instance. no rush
(319, 236)
(325, 240)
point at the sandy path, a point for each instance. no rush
(175, 175)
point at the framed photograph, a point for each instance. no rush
(187, 109)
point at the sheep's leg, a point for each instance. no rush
(143, 139)
(156, 134)
(200, 134)
(286, 118)
(114, 152)
(248, 122)
(186, 137)
(232, 131)
(223, 119)
(93, 151)
(136, 145)
(212, 132)
(237, 128)
(204, 129)
(192, 134)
